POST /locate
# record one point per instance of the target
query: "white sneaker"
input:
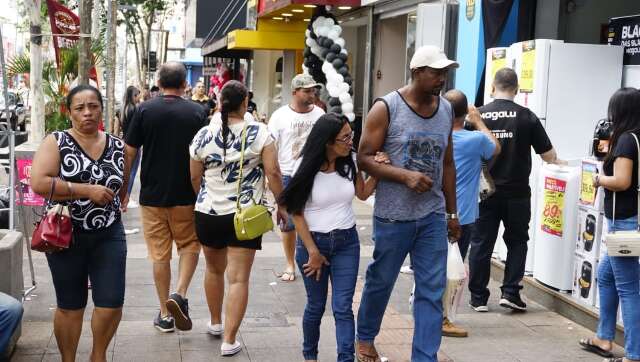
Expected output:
(227, 349)
(132, 204)
(406, 270)
(215, 329)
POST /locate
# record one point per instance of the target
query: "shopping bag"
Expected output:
(456, 282)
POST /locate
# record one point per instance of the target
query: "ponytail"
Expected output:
(232, 95)
(224, 114)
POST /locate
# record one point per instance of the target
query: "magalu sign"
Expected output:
(625, 31)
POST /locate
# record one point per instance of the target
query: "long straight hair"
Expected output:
(314, 155)
(624, 114)
(128, 102)
(232, 94)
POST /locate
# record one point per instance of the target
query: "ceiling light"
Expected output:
(297, 10)
(307, 20)
(310, 6)
(277, 18)
(352, 18)
(286, 14)
(344, 7)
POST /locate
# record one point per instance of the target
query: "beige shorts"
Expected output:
(163, 225)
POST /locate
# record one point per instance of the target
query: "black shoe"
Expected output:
(179, 309)
(164, 325)
(478, 307)
(513, 302)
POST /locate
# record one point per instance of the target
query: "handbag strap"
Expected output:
(244, 140)
(53, 188)
(637, 187)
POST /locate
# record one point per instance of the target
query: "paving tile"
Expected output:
(213, 356)
(159, 342)
(147, 356)
(16, 357)
(277, 336)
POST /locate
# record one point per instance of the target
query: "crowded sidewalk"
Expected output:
(272, 328)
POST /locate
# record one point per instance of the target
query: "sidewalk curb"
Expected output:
(557, 302)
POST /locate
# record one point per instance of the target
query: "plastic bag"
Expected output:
(456, 282)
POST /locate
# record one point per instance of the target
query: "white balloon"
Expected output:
(328, 22)
(345, 97)
(351, 116)
(333, 91)
(324, 30)
(307, 33)
(337, 28)
(344, 87)
(340, 42)
(339, 78)
(333, 34)
(309, 42)
(344, 51)
(347, 108)
(316, 49)
(326, 66)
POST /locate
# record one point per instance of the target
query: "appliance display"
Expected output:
(589, 232)
(585, 280)
(589, 235)
(586, 276)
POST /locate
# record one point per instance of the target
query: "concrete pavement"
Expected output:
(272, 327)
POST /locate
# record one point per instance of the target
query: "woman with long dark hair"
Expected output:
(320, 197)
(129, 105)
(215, 165)
(619, 277)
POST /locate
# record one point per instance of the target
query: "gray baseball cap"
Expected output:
(303, 81)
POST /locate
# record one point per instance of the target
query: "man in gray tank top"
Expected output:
(415, 201)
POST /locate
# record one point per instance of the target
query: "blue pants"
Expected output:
(134, 170)
(425, 240)
(10, 316)
(342, 250)
(619, 282)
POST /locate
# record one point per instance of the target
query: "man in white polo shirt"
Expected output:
(290, 125)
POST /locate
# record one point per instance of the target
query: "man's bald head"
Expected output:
(458, 102)
(172, 75)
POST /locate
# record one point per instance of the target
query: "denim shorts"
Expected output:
(99, 256)
(289, 226)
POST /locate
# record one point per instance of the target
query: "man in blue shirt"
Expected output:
(470, 149)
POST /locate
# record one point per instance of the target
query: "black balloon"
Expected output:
(343, 56)
(313, 35)
(334, 101)
(337, 63)
(335, 48)
(307, 52)
(344, 71)
(337, 109)
(328, 43)
(324, 52)
(330, 57)
(348, 79)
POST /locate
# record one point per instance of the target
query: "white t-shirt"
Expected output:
(218, 191)
(329, 206)
(290, 131)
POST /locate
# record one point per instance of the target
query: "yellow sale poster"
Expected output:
(587, 191)
(554, 191)
(498, 61)
(527, 66)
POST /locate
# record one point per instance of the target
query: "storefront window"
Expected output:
(411, 42)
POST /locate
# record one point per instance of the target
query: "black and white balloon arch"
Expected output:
(325, 59)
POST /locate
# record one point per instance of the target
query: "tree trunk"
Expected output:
(111, 62)
(35, 77)
(84, 61)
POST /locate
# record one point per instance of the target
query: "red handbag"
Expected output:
(54, 231)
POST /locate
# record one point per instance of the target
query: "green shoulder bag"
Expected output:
(254, 220)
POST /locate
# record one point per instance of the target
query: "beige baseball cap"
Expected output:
(303, 81)
(432, 57)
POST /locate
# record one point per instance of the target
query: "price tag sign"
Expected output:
(587, 191)
(498, 61)
(554, 191)
(528, 66)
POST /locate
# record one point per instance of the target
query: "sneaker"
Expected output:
(479, 307)
(132, 204)
(513, 302)
(451, 330)
(228, 349)
(179, 309)
(406, 269)
(164, 324)
(215, 329)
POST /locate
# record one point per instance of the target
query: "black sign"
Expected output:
(153, 61)
(625, 31)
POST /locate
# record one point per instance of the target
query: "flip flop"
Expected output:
(288, 276)
(614, 359)
(587, 345)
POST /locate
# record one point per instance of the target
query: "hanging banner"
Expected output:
(65, 25)
(554, 191)
(29, 197)
(527, 67)
(625, 31)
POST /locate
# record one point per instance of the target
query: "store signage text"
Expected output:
(625, 31)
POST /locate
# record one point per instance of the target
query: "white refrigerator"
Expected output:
(568, 87)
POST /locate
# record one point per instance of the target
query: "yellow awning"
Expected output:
(270, 35)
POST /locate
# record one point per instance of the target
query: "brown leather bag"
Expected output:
(54, 231)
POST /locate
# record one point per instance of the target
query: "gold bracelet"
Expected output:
(70, 189)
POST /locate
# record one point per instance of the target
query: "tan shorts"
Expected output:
(163, 225)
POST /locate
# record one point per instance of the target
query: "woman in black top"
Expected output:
(86, 168)
(129, 105)
(619, 277)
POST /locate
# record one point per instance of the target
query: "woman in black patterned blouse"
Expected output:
(86, 168)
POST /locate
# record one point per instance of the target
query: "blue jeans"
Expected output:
(342, 250)
(10, 315)
(134, 170)
(425, 240)
(619, 282)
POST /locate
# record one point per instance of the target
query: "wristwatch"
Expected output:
(453, 216)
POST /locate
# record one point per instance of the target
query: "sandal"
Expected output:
(587, 345)
(364, 355)
(614, 359)
(288, 276)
